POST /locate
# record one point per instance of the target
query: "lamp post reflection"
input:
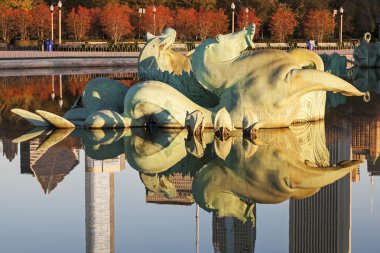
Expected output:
(60, 92)
(52, 88)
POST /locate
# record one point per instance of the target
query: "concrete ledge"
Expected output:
(67, 62)
(63, 54)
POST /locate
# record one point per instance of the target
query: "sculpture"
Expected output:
(219, 85)
(367, 55)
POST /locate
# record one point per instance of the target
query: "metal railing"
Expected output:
(176, 47)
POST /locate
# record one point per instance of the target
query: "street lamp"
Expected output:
(154, 19)
(341, 25)
(246, 16)
(335, 12)
(141, 11)
(233, 16)
(52, 21)
(59, 23)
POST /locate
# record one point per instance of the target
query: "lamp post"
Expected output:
(233, 16)
(141, 11)
(341, 25)
(59, 23)
(52, 21)
(246, 16)
(154, 20)
(335, 12)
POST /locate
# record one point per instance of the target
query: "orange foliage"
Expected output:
(186, 23)
(282, 23)
(243, 21)
(319, 24)
(211, 23)
(7, 23)
(40, 26)
(163, 19)
(23, 23)
(79, 22)
(115, 21)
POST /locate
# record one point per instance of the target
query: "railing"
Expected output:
(137, 47)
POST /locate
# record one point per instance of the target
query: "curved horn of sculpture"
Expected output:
(307, 58)
(307, 80)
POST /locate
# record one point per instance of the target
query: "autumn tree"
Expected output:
(163, 19)
(40, 25)
(211, 23)
(79, 22)
(282, 23)
(23, 23)
(7, 23)
(115, 21)
(244, 21)
(319, 24)
(186, 23)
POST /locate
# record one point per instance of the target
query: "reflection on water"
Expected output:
(54, 93)
(227, 178)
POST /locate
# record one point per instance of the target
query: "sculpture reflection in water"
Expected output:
(230, 176)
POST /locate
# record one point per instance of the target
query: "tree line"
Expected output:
(193, 19)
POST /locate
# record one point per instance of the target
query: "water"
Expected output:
(91, 192)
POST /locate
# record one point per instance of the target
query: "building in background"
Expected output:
(183, 185)
(100, 203)
(49, 166)
(229, 235)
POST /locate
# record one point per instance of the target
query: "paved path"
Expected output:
(59, 59)
(64, 59)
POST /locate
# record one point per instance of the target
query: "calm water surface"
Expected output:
(82, 191)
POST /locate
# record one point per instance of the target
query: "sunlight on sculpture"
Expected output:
(218, 85)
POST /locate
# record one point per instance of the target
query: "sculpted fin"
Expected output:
(56, 137)
(32, 118)
(55, 120)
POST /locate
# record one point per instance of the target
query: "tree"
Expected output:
(163, 19)
(79, 22)
(282, 23)
(211, 23)
(23, 24)
(186, 23)
(40, 26)
(7, 23)
(319, 24)
(115, 21)
(242, 20)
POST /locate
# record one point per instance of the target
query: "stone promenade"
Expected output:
(64, 59)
